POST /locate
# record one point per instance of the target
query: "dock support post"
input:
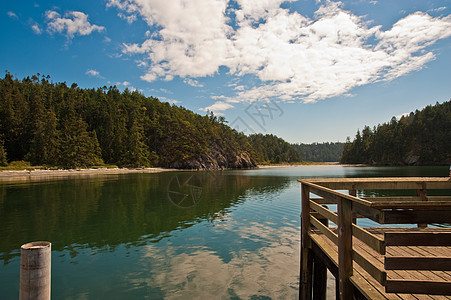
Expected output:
(320, 274)
(35, 274)
(305, 288)
(345, 267)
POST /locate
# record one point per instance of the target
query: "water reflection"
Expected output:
(229, 234)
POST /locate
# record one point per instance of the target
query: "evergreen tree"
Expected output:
(3, 160)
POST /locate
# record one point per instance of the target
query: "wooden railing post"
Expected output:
(345, 267)
(353, 192)
(305, 289)
(35, 276)
(422, 194)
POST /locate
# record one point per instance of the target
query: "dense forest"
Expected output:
(320, 152)
(272, 149)
(51, 124)
(421, 138)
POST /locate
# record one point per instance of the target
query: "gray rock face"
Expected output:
(216, 160)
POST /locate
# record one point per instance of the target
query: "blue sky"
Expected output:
(307, 71)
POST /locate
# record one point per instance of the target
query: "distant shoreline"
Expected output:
(40, 174)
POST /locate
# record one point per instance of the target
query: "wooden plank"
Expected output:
(322, 201)
(375, 243)
(436, 263)
(418, 287)
(325, 252)
(384, 183)
(324, 212)
(371, 266)
(345, 267)
(417, 238)
(431, 205)
(407, 198)
(371, 213)
(327, 193)
(416, 216)
(324, 229)
(365, 287)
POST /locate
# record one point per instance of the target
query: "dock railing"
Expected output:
(375, 262)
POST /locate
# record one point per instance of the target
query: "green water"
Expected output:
(205, 235)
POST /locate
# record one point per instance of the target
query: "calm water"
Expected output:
(206, 235)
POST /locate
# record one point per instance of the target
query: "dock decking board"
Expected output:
(399, 259)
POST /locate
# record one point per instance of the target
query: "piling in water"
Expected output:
(35, 275)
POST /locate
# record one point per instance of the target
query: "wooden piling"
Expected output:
(305, 291)
(35, 271)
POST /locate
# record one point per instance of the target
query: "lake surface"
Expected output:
(172, 235)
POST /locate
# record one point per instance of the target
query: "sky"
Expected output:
(307, 71)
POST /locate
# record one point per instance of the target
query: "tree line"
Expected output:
(320, 152)
(52, 124)
(421, 138)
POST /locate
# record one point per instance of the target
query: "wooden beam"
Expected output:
(431, 205)
(324, 212)
(369, 239)
(383, 183)
(418, 287)
(326, 252)
(324, 229)
(371, 266)
(322, 201)
(371, 213)
(345, 252)
(431, 263)
(406, 198)
(305, 291)
(417, 238)
(335, 196)
(319, 279)
(416, 216)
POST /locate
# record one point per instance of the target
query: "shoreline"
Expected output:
(37, 174)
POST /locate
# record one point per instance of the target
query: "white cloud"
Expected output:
(36, 28)
(73, 23)
(93, 73)
(130, 18)
(293, 56)
(192, 82)
(438, 9)
(218, 107)
(12, 15)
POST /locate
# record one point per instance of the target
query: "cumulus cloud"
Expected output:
(73, 23)
(93, 73)
(218, 107)
(293, 56)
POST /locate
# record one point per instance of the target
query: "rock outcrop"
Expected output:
(217, 159)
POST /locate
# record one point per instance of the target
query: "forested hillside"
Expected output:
(51, 124)
(320, 152)
(272, 149)
(422, 138)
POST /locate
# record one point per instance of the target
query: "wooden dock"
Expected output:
(379, 262)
